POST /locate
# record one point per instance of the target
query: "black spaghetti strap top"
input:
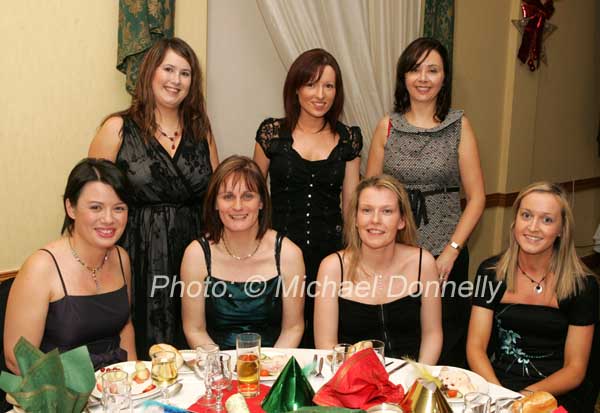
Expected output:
(397, 323)
(238, 307)
(91, 320)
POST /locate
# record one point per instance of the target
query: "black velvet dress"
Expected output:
(528, 341)
(306, 196)
(164, 218)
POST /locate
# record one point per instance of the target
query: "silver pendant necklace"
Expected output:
(538, 284)
(93, 271)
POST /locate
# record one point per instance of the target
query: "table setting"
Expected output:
(252, 379)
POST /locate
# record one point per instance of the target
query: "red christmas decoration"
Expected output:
(535, 29)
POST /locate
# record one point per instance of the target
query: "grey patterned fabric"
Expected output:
(427, 160)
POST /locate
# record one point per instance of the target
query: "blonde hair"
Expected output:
(407, 235)
(568, 269)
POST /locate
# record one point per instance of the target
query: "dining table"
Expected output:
(193, 386)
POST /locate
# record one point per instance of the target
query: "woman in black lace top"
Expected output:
(536, 307)
(312, 158)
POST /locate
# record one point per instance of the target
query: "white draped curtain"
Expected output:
(365, 36)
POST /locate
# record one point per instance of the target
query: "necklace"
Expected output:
(538, 284)
(171, 138)
(237, 257)
(377, 277)
(93, 271)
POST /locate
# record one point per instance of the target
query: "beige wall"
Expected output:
(530, 125)
(59, 80)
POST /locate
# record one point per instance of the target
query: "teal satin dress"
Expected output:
(254, 306)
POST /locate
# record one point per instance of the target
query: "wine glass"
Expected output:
(116, 392)
(164, 371)
(202, 353)
(218, 376)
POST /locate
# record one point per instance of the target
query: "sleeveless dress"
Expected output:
(234, 307)
(527, 341)
(164, 218)
(91, 320)
(397, 323)
(306, 196)
(426, 162)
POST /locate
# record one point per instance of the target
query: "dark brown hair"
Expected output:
(192, 110)
(309, 67)
(412, 57)
(241, 168)
(92, 170)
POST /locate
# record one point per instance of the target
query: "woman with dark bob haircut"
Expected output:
(312, 158)
(75, 290)
(433, 151)
(164, 145)
(235, 276)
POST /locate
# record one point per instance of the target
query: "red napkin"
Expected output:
(253, 402)
(359, 383)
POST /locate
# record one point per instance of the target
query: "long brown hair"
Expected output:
(568, 269)
(406, 236)
(192, 110)
(243, 169)
(309, 67)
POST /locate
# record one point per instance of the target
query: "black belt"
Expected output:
(418, 205)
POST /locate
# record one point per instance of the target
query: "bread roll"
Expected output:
(536, 402)
(167, 347)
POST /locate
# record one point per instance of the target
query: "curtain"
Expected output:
(141, 24)
(438, 22)
(366, 37)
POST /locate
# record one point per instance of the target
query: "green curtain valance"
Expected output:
(439, 22)
(141, 24)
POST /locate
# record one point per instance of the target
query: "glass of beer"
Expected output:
(248, 363)
(164, 371)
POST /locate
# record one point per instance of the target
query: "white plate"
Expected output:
(137, 389)
(407, 376)
(189, 359)
(276, 361)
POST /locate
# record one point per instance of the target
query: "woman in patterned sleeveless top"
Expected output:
(164, 145)
(433, 151)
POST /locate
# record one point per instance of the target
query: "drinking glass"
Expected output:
(247, 347)
(379, 349)
(218, 376)
(477, 403)
(164, 371)
(341, 352)
(504, 405)
(202, 353)
(116, 392)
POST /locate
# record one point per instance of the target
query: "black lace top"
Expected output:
(306, 194)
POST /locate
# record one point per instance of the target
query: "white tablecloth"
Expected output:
(193, 388)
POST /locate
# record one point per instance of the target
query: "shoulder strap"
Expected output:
(278, 242)
(121, 265)
(57, 269)
(420, 261)
(206, 248)
(341, 264)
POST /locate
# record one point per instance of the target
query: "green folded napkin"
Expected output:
(290, 391)
(51, 382)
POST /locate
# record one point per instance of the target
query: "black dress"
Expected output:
(233, 307)
(527, 342)
(164, 218)
(397, 323)
(95, 321)
(306, 196)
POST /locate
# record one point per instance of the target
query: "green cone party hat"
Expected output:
(290, 391)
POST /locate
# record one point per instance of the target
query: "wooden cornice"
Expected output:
(506, 200)
(5, 275)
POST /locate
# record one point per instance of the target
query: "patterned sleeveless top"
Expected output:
(426, 162)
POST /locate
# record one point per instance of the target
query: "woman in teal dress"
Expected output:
(241, 276)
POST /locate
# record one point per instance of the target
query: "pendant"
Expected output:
(539, 289)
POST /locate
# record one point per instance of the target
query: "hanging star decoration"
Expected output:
(535, 29)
